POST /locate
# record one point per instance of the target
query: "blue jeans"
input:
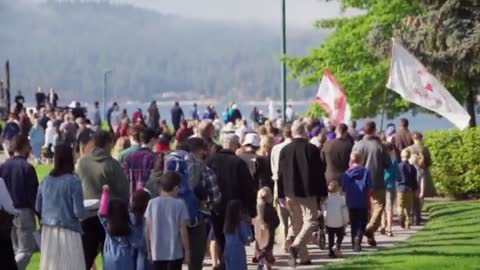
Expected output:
(22, 237)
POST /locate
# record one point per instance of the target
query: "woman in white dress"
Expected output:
(60, 202)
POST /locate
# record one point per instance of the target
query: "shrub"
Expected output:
(456, 161)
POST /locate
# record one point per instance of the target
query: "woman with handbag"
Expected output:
(7, 212)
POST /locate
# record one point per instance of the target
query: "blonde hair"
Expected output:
(414, 160)
(333, 187)
(264, 195)
(266, 145)
(356, 157)
(405, 155)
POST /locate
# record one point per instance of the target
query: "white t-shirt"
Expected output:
(335, 211)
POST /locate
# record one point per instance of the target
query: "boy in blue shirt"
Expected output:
(407, 185)
(356, 185)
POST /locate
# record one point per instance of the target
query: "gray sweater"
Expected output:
(376, 159)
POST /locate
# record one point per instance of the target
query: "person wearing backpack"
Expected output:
(199, 190)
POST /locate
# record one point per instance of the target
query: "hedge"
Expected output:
(456, 161)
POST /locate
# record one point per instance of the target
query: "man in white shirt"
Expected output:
(284, 212)
(290, 113)
(242, 130)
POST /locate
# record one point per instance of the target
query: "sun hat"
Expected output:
(252, 139)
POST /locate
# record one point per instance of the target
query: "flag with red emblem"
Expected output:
(332, 99)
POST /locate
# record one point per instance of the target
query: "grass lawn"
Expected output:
(451, 240)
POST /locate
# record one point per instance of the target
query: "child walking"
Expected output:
(138, 206)
(391, 176)
(336, 219)
(166, 226)
(406, 187)
(265, 223)
(237, 235)
(356, 185)
(118, 250)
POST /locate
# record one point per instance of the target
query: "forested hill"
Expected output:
(69, 44)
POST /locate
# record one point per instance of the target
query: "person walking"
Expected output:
(407, 185)
(7, 214)
(110, 113)
(139, 164)
(235, 183)
(335, 212)
(37, 139)
(274, 160)
(166, 226)
(95, 117)
(177, 116)
(11, 130)
(154, 117)
(391, 176)
(60, 204)
(301, 182)
(403, 137)
(263, 170)
(52, 99)
(238, 234)
(376, 159)
(96, 169)
(265, 224)
(336, 155)
(424, 164)
(40, 98)
(22, 184)
(134, 134)
(357, 185)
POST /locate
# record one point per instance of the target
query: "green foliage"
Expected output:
(69, 44)
(449, 241)
(362, 74)
(456, 161)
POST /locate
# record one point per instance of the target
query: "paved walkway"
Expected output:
(320, 257)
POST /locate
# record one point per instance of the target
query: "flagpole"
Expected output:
(384, 110)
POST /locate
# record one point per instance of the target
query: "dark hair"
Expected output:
(102, 139)
(115, 104)
(417, 135)
(369, 128)
(147, 135)
(63, 161)
(342, 128)
(139, 204)
(216, 148)
(118, 218)
(196, 144)
(404, 122)
(19, 142)
(233, 216)
(169, 181)
(96, 103)
(183, 147)
(177, 103)
(389, 146)
(353, 124)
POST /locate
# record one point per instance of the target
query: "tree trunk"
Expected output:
(471, 100)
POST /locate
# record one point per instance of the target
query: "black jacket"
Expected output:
(301, 171)
(234, 180)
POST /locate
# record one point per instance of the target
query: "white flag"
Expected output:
(332, 98)
(410, 79)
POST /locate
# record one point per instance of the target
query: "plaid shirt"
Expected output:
(138, 166)
(208, 180)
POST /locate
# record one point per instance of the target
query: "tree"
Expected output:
(358, 51)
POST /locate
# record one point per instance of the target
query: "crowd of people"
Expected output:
(148, 196)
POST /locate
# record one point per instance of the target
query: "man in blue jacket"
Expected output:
(22, 184)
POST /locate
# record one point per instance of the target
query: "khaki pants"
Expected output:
(378, 205)
(405, 207)
(304, 216)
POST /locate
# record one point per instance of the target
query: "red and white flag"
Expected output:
(332, 99)
(410, 79)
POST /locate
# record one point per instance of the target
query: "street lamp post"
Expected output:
(105, 74)
(284, 64)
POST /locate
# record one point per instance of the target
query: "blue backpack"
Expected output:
(180, 161)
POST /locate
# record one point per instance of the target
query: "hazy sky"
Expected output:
(300, 13)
